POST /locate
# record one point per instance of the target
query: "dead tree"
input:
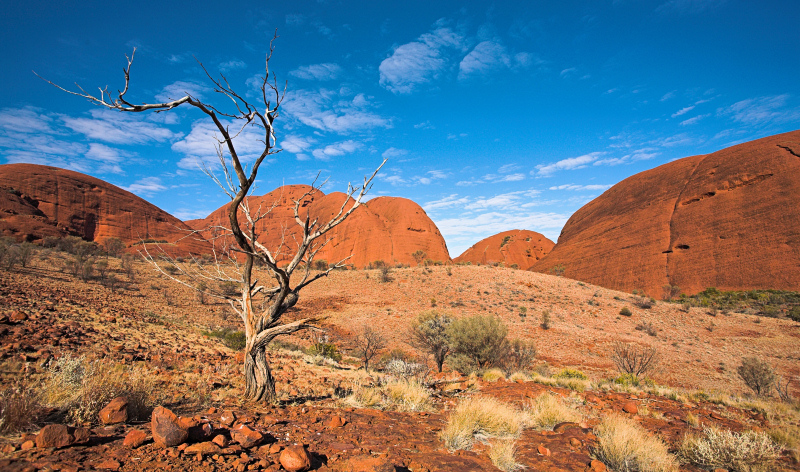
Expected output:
(632, 359)
(368, 343)
(260, 306)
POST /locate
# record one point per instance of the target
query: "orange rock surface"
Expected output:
(518, 246)
(48, 201)
(385, 228)
(730, 220)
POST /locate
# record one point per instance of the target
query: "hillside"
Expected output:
(519, 248)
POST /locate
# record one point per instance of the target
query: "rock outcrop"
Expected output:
(39, 201)
(521, 247)
(389, 229)
(730, 220)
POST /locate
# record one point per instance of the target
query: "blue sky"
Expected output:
(494, 116)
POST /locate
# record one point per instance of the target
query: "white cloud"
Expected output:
(25, 120)
(327, 71)
(667, 96)
(568, 72)
(200, 145)
(393, 152)
(425, 125)
(328, 110)
(572, 163)
(508, 168)
(580, 188)
(233, 64)
(762, 110)
(118, 128)
(683, 111)
(446, 202)
(297, 144)
(485, 57)
(694, 120)
(182, 88)
(147, 186)
(420, 61)
(185, 214)
(337, 149)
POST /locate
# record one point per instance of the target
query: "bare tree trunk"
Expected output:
(259, 383)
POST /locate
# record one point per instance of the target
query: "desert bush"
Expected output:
(567, 373)
(647, 327)
(428, 333)
(82, 388)
(368, 343)
(19, 408)
(623, 445)
(743, 452)
(419, 256)
(404, 369)
(788, 438)
(558, 270)
(757, 375)
(320, 264)
(325, 349)
(632, 380)
(547, 410)
(632, 359)
(399, 395)
(671, 291)
(519, 377)
(484, 416)
(113, 247)
(503, 455)
(519, 356)
(461, 363)
(230, 337)
(625, 311)
(545, 323)
(229, 288)
(493, 375)
(384, 274)
(482, 338)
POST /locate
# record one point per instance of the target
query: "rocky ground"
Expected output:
(154, 324)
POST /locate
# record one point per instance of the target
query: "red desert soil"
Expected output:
(155, 324)
(730, 220)
(50, 201)
(389, 229)
(521, 247)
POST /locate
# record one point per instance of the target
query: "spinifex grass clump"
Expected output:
(745, 451)
(481, 417)
(547, 410)
(622, 444)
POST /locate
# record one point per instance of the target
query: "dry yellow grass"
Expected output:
(625, 446)
(547, 410)
(519, 377)
(493, 375)
(399, 395)
(748, 451)
(483, 417)
(503, 455)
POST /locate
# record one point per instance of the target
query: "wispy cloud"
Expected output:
(449, 201)
(335, 111)
(694, 120)
(182, 88)
(26, 120)
(638, 155)
(201, 144)
(337, 149)
(568, 72)
(486, 56)
(297, 145)
(233, 64)
(761, 111)
(393, 152)
(421, 61)
(326, 71)
(581, 188)
(146, 187)
(572, 163)
(118, 128)
(683, 111)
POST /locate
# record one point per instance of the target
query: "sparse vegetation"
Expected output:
(230, 337)
(481, 415)
(428, 333)
(369, 342)
(19, 408)
(623, 445)
(558, 270)
(399, 395)
(481, 338)
(625, 311)
(547, 410)
(503, 453)
(745, 451)
(757, 375)
(545, 323)
(633, 359)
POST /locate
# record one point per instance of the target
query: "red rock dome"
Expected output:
(521, 247)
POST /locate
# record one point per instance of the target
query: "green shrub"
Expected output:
(230, 337)
(625, 311)
(757, 375)
(328, 350)
(482, 338)
(428, 333)
(568, 373)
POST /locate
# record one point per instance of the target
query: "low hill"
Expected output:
(518, 247)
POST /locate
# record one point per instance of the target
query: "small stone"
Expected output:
(295, 459)
(543, 450)
(246, 436)
(597, 466)
(203, 448)
(335, 422)
(53, 435)
(135, 438)
(561, 427)
(115, 412)
(275, 448)
(108, 464)
(220, 440)
(630, 407)
(18, 317)
(574, 442)
(29, 444)
(227, 418)
(166, 429)
(81, 435)
(367, 464)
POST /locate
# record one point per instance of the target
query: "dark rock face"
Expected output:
(40, 201)
(730, 219)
